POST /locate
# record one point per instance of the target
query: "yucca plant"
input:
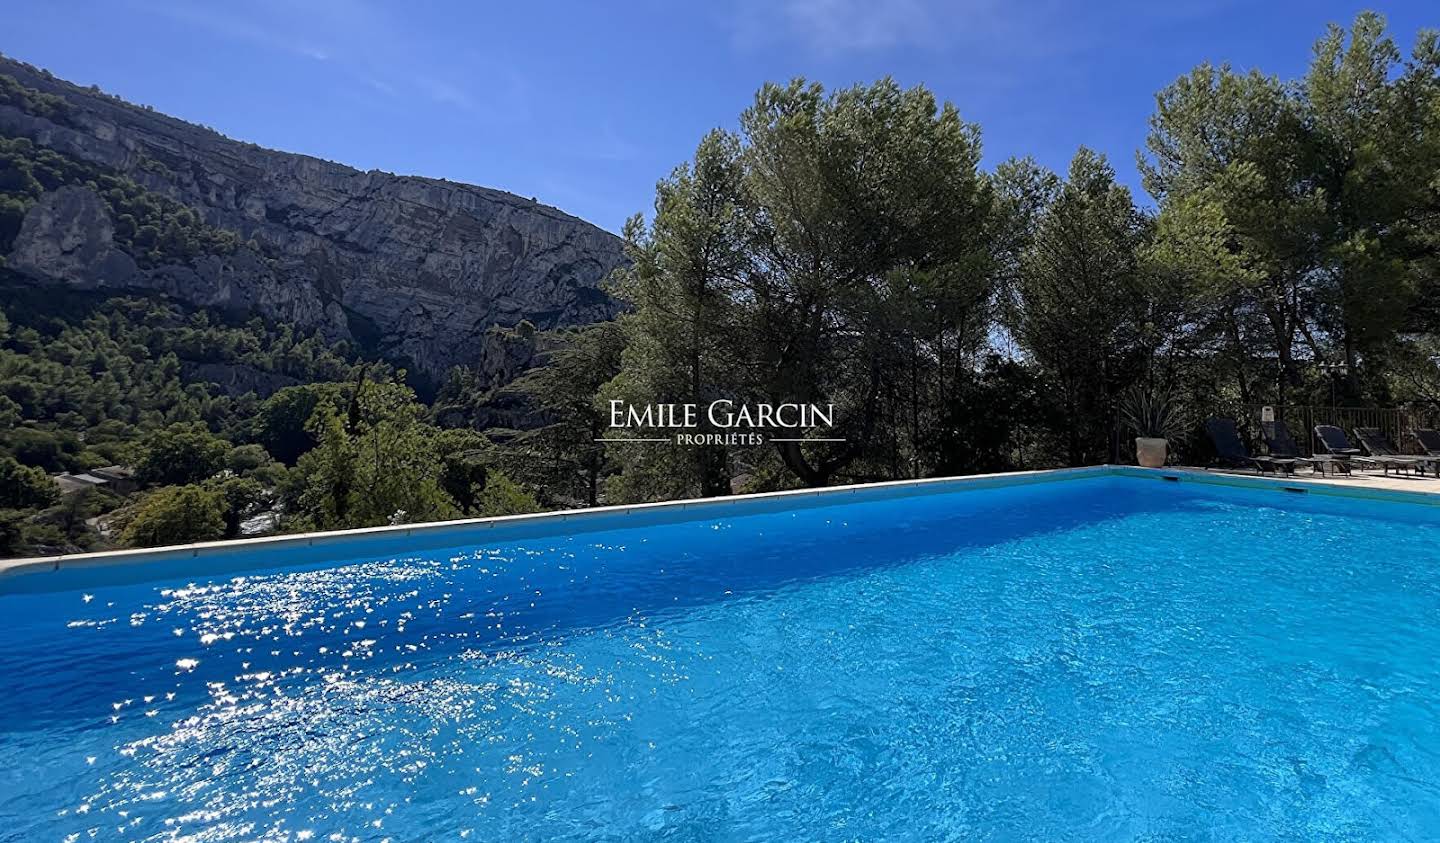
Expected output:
(1153, 412)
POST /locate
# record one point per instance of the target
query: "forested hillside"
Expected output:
(99, 193)
(235, 326)
(296, 425)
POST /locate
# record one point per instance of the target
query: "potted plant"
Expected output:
(1156, 418)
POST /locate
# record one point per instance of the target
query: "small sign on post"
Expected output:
(1267, 413)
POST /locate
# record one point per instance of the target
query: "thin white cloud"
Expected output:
(366, 42)
(996, 30)
(835, 26)
(380, 86)
(245, 26)
(444, 92)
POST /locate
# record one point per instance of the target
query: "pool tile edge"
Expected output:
(1314, 486)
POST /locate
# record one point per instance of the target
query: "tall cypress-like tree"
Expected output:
(681, 336)
(1081, 300)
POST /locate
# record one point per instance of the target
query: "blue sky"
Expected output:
(583, 105)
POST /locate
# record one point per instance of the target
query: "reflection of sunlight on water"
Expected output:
(316, 722)
(294, 602)
(268, 739)
(266, 736)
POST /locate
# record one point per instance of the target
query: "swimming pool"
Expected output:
(1104, 657)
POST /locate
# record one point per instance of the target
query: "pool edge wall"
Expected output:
(176, 560)
(24, 575)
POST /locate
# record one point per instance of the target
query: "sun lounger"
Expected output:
(1230, 450)
(1336, 443)
(1334, 440)
(1379, 446)
(1429, 439)
(1281, 443)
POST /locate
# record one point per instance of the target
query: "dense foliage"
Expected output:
(87, 382)
(839, 250)
(175, 515)
(1303, 214)
(846, 248)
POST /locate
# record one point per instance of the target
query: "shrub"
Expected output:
(243, 459)
(184, 452)
(503, 496)
(23, 487)
(176, 515)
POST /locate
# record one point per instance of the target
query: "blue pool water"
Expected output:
(1103, 658)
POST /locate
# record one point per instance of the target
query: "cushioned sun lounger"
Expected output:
(1230, 450)
(1281, 443)
(1336, 443)
(1429, 439)
(1379, 446)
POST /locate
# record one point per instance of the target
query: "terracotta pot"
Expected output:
(1150, 452)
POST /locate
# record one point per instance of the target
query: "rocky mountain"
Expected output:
(416, 269)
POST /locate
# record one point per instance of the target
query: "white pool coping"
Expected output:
(685, 510)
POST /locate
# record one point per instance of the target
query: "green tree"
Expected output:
(836, 252)
(12, 533)
(379, 466)
(52, 450)
(282, 426)
(562, 453)
(244, 459)
(181, 453)
(1234, 148)
(1374, 121)
(874, 234)
(326, 474)
(502, 496)
(68, 519)
(680, 337)
(1305, 209)
(1081, 300)
(23, 487)
(176, 515)
(239, 497)
(465, 458)
(397, 476)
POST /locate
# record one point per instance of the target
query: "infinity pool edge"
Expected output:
(680, 510)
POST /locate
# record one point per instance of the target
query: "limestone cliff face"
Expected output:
(416, 268)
